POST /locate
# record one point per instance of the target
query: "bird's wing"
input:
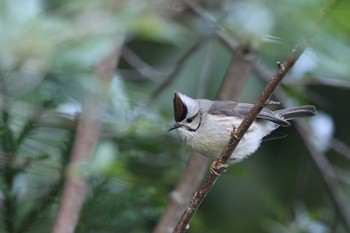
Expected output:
(230, 108)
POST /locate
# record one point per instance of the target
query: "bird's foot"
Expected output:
(216, 169)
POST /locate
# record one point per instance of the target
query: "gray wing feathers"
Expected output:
(229, 108)
(292, 113)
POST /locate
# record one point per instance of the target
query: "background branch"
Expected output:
(237, 72)
(283, 69)
(178, 67)
(46, 79)
(199, 11)
(340, 147)
(327, 174)
(139, 65)
(87, 134)
(220, 165)
(319, 159)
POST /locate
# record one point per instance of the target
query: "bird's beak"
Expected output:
(174, 126)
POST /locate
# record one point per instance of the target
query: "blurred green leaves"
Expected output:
(48, 52)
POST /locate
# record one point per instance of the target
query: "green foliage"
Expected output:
(48, 53)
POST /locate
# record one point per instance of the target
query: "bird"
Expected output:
(206, 125)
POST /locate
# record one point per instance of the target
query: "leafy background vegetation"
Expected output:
(48, 52)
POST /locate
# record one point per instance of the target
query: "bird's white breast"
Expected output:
(214, 134)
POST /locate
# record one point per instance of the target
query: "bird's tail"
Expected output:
(292, 113)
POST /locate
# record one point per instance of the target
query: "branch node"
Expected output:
(216, 167)
(271, 102)
(280, 67)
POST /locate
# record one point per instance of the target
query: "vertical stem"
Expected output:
(86, 137)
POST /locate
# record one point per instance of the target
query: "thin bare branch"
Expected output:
(237, 72)
(340, 147)
(178, 67)
(220, 165)
(342, 174)
(329, 81)
(327, 173)
(87, 134)
(320, 80)
(198, 10)
(325, 169)
(133, 75)
(265, 74)
(241, 63)
(139, 65)
(193, 173)
(190, 178)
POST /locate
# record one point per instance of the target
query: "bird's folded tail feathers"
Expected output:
(292, 113)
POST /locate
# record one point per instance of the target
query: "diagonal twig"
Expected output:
(237, 72)
(322, 165)
(194, 170)
(325, 169)
(340, 147)
(178, 67)
(170, 79)
(220, 165)
(224, 37)
(139, 65)
(327, 173)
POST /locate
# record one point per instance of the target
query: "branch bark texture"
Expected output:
(236, 136)
(221, 164)
(242, 60)
(319, 159)
(87, 135)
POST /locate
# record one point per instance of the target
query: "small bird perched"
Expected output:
(206, 125)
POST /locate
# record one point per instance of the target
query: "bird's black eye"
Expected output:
(189, 120)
